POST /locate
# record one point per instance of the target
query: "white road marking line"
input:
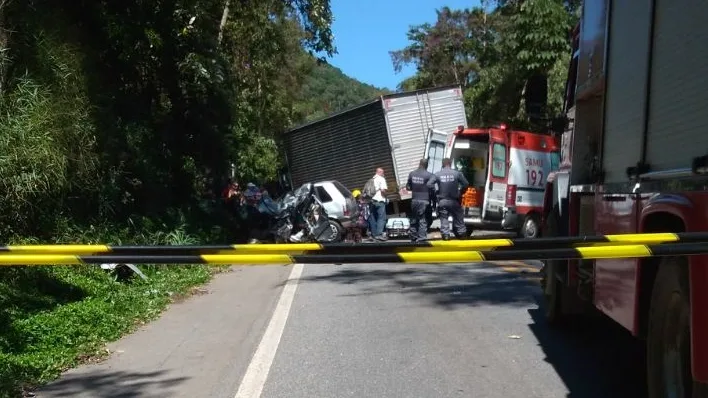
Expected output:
(257, 373)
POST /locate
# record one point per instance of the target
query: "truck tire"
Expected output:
(669, 334)
(556, 298)
(563, 306)
(553, 289)
(551, 296)
(531, 227)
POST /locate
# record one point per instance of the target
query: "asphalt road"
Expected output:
(387, 330)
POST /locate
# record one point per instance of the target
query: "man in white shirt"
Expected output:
(378, 206)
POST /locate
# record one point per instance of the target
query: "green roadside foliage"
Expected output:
(493, 51)
(56, 317)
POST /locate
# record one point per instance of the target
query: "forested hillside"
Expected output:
(495, 52)
(327, 89)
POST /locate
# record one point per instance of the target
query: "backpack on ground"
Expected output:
(369, 189)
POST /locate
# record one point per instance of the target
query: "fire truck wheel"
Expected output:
(551, 295)
(669, 334)
(554, 296)
(531, 228)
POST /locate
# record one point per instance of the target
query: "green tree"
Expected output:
(494, 54)
(450, 51)
(122, 110)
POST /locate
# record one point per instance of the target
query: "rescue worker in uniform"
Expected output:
(420, 202)
(450, 183)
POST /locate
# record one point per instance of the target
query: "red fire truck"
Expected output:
(633, 160)
(507, 171)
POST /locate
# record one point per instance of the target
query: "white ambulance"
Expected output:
(507, 171)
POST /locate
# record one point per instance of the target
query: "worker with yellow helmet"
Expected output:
(363, 218)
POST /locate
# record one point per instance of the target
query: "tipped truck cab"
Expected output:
(507, 170)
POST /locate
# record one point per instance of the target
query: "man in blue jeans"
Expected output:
(377, 219)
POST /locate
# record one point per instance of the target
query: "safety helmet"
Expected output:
(356, 193)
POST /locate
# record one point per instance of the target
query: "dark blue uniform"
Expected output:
(420, 203)
(450, 183)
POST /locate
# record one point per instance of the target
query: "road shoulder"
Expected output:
(200, 347)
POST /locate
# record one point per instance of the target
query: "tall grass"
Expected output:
(47, 139)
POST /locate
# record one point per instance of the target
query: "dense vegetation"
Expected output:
(496, 51)
(119, 124)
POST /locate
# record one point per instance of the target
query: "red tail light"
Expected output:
(346, 210)
(510, 195)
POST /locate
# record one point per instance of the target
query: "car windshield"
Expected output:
(342, 189)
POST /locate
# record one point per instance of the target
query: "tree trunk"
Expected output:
(4, 47)
(224, 18)
(454, 72)
(484, 24)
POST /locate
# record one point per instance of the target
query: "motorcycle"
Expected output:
(298, 211)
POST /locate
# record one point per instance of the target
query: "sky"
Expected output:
(366, 30)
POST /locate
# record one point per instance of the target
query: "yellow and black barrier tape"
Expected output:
(496, 244)
(587, 253)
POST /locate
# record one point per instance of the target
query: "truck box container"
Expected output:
(389, 132)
